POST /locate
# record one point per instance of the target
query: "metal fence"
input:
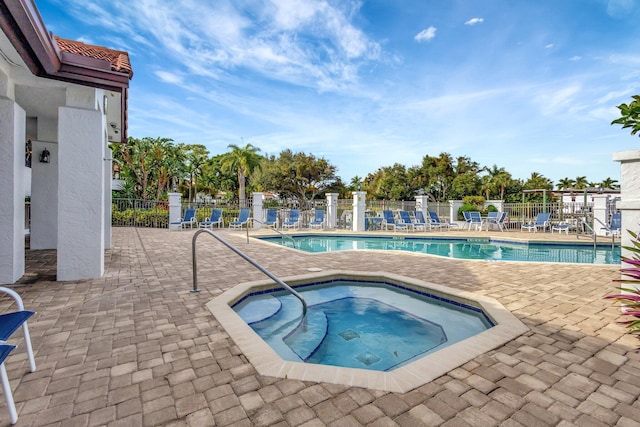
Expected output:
(141, 213)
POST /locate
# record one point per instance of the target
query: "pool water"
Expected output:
(359, 324)
(460, 248)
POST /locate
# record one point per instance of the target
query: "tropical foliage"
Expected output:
(629, 115)
(152, 167)
(630, 298)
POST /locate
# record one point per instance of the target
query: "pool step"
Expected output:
(308, 336)
(261, 308)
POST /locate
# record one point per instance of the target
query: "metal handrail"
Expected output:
(293, 241)
(608, 228)
(246, 258)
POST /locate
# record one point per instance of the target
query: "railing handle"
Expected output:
(246, 258)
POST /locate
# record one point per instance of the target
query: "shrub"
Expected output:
(466, 208)
(631, 299)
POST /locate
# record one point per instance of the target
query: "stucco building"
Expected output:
(66, 100)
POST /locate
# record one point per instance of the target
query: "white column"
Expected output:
(600, 219)
(175, 210)
(108, 176)
(454, 206)
(12, 140)
(44, 197)
(332, 210)
(81, 218)
(257, 210)
(422, 204)
(359, 206)
(629, 204)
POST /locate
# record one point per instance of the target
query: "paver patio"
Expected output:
(137, 348)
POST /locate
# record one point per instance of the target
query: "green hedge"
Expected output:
(153, 218)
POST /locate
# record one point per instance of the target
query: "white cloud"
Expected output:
(168, 77)
(426, 35)
(474, 21)
(575, 58)
(549, 46)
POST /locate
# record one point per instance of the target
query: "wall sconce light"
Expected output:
(45, 156)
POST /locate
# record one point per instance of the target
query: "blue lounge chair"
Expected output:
(497, 220)
(437, 223)
(560, 227)
(388, 220)
(615, 225)
(243, 218)
(318, 219)
(189, 218)
(419, 222)
(271, 219)
(542, 221)
(406, 219)
(294, 219)
(214, 219)
(475, 220)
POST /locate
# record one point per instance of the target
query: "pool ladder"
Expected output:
(282, 235)
(246, 258)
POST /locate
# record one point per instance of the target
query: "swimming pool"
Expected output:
(459, 247)
(359, 324)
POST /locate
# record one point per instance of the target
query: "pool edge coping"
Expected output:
(403, 379)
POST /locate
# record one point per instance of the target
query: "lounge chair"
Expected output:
(388, 220)
(406, 219)
(214, 219)
(437, 223)
(271, 219)
(615, 225)
(9, 323)
(189, 218)
(294, 219)
(560, 227)
(419, 221)
(318, 219)
(542, 221)
(243, 218)
(497, 220)
(475, 220)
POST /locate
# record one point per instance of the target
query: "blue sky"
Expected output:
(530, 86)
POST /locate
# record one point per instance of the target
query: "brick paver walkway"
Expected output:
(136, 348)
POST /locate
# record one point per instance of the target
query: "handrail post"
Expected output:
(246, 258)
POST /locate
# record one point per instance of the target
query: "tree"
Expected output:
(242, 160)
(629, 115)
(581, 183)
(565, 184)
(610, 183)
(196, 156)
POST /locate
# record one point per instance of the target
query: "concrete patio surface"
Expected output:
(137, 348)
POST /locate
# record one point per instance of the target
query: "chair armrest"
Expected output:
(15, 296)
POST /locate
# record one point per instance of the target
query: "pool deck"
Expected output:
(137, 348)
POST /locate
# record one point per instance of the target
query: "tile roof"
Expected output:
(119, 59)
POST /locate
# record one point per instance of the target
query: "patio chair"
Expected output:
(436, 222)
(9, 323)
(475, 220)
(613, 229)
(271, 218)
(243, 218)
(419, 221)
(318, 219)
(560, 227)
(497, 220)
(406, 219)
(214, 219)
(189, 218)
(294, 219)
(388, 220)
(541, 221)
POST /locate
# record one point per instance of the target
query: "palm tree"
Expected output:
(242, 160)
(610, 183)
(356, 181)
(581, 183)
(565, 184)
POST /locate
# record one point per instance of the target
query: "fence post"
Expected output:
(359, 206)
(332, 210)
(175, 209)
(257, 210)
